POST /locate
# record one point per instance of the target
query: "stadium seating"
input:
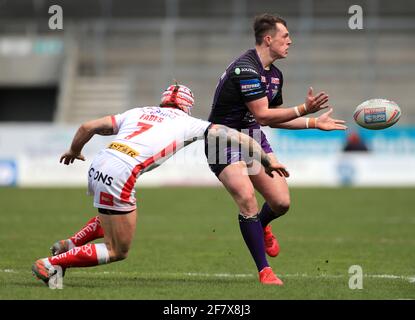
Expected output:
(126, 55)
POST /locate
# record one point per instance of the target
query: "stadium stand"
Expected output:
(118, 54)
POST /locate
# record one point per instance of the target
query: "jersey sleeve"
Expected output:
(118, 119)
(195, 128)
(116, 122)
(248, 82)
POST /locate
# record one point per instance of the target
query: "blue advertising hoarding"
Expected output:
(292, 143)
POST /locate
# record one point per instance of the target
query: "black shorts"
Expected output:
(112, 212)
(219, 158)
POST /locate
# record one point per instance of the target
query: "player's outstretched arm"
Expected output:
(327, 123)
(86, 131)
(249, 144)
(324, 122)
(275, 116)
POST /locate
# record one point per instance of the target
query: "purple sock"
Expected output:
(253, 234)
(266, 215)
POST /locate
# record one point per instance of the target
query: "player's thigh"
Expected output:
(274, 190)
(236, 180)
(119, 229)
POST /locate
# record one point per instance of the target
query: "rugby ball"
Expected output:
(377, 114)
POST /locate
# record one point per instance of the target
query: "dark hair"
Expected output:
(264, 24)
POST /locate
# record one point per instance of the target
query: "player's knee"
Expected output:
(248, 196)
(280, 206)
(247, 201)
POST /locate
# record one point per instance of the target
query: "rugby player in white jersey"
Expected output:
(145, 137)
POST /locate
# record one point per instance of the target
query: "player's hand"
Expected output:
(326, 123)
(278, 168)
(69, 157)
(315, 103)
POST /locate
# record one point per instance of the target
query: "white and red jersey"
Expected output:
(145, 137)
(155, 134)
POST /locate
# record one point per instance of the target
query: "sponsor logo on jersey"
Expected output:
(162, 112)
(250, 85)
(238, 70)
(263, 79)
(249, 70)
(97, 175)
(275, 80)
(123, 148)
(106, 199)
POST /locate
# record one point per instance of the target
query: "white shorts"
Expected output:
(111, 181)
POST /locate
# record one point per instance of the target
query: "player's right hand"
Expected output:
(317, 102)
(69, 157)
(278, 168)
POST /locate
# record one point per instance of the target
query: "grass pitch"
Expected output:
(188, 246)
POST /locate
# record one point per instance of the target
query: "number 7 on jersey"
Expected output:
(142, 127)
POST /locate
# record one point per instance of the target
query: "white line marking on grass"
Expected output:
(387, 276)
(219, 275)
(236, 275)
(250, 275)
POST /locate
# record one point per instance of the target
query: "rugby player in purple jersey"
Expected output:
(248, 96)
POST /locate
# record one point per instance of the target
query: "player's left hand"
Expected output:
(326, 123)
(278, 168)
(69, 157)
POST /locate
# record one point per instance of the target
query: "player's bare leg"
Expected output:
(237, 182)
(235, 179)
(277, 202)
(92, 230)
(119, 231)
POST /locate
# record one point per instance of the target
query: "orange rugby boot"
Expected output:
(267, 276)
(271, 244)
(43, 270)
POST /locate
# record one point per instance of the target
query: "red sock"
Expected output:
(85, 256)
(91, 231)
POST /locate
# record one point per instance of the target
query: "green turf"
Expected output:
(188, 246)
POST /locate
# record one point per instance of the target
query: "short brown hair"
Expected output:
(266, 23)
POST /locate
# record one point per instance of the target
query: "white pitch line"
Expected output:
(218, 275)
(250, 275)
(302, 275)
(240, 275)
(8, 271)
